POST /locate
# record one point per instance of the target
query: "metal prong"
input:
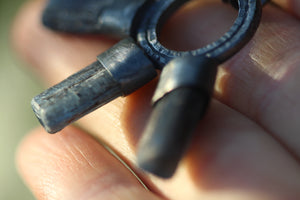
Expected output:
(118, 72)
(168, 131)
(181, 100)
(111, 17)
(74, 97)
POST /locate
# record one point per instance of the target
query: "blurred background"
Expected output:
(17, 87)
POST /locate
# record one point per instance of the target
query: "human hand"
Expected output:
(247, 147)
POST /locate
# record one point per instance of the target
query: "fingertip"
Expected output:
(25, 23)
(73, 165)
(52, 55)
(292, 6)
(27, 162)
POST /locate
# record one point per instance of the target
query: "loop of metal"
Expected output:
(231, 42)
(235, 4)
(186, 84)
(193, 72)
(142, 20)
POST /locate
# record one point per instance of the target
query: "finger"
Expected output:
(72, 165)
(232, 158)
(46, 53)
(261, 81)
(121, 122)
(50, 57)
(54, 55)
(237, 86)
(292, 6)
(234, 164)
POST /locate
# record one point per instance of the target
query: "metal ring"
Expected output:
(240, 33)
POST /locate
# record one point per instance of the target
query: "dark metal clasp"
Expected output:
(187, 80)
(185, 88)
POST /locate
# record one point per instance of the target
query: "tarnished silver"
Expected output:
(180, 101)
(118, 72)
(191, 72)
(184, 89)
(128, 65)
(112, 17)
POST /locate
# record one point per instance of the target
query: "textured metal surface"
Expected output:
(93, 86)
(184, 88)
(194, 72)
(128, 65)
(64, 103)
(111, 17)
(230, 43)
(180, 101)
(235, 3)
(169, 129)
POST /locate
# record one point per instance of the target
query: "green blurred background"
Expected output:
(17, 87)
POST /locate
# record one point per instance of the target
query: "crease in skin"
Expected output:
(273, 67)
(113, 130)
(274, 53)
(42, 186)
(65, 155)
(115, 154)
(251, 143)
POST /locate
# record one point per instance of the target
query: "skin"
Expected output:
(247, 146)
